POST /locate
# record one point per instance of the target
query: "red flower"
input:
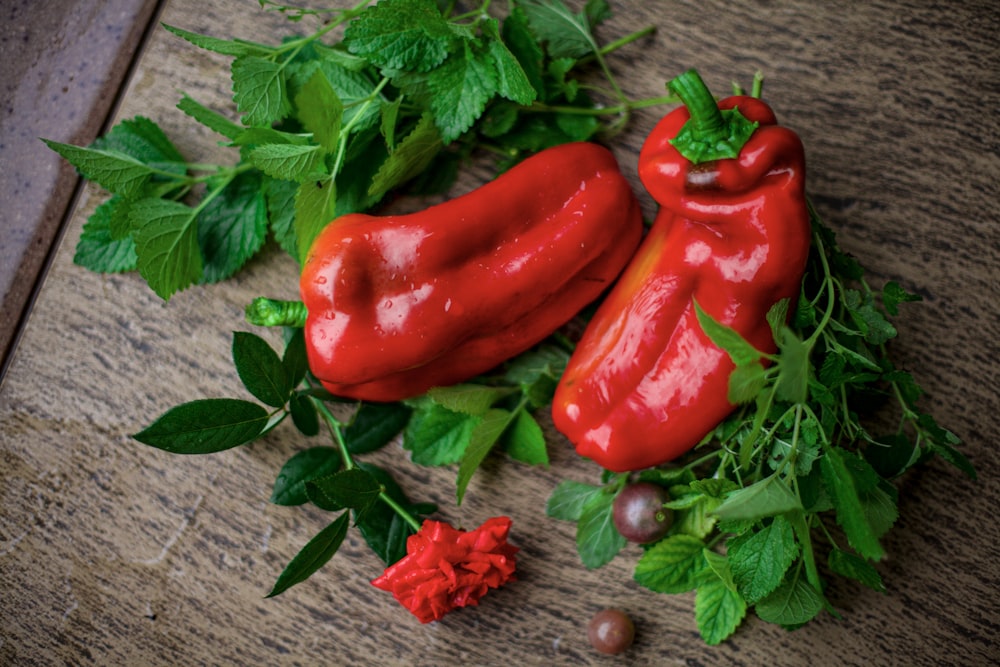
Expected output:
(445, 568)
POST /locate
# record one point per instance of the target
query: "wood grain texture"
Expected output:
(113, 553)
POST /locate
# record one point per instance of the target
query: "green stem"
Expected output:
(265, 312)
(707, 123)
(337, 431)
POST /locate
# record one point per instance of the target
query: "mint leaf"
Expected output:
(213, 120)
(597, 539)
(569, 498)
(259, 91)
(280, 198)
(739, 350)
(313, 555)
(793, 367)
(410, 158)
(746, 382)
(718, 607)
(288, 162)
(205, 426)
(320, 110)
(144, 140)
(518, 38)
(851, 515)
(853, 567)
(759, 559)
(114, 171)
(98, 250)
(793, 603)
(770, 496)
(290, 486)
(375, 425)
(567, 35)
(166, 242)
(260, 369)
(436, 435)
(315, 206)
(469, 399)
(512, 81)
(227, 47)
(409, 35)
(460, 89)
(484, 435)
(525, 440)
(671, 565)
(893, 294)
(232, 227)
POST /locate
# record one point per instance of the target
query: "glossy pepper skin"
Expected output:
(400, 304)
(645, 384)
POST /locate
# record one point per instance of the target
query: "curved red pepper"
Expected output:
(399, 304)
(645, 383)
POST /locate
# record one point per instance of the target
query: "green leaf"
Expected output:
(893, 294)
(315, 208)
(718, 607)
(793, 367)
(436, 435)
(320, 110)
(260, 369)
(294, 359)
(114, 171)
(568, 499)
(597, 539)
(512, 81)
(313, 556)
(850, 510)
(746, 382)
(259, 91)
(470, 399)
(304, 414)
(290, 486)
(288, 162)
(517, 36)
(485, 434)
(460, 89)
(409, 35)
(567, 35)
(227, 47)
(793, 603)
(537, 371)
(280, 197)
(209, 118)
(759, 559)
(144, 140)
(375, 425)
(770, 496)
(739, 350)
(671, 565)
(232, 227)
(525, 440)
(853, 567)
(166, 242)
(97, 249)
(410, 158)
(354, 488)
(205, 426)
(382, 528)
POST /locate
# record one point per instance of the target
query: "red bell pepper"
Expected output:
(645, 384)
(400, 304)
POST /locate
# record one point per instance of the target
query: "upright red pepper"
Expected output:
(645, 383)
(399, 304)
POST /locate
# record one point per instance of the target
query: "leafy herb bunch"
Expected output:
(798, 476)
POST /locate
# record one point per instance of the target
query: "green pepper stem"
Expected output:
(708, 124)
(264, 312)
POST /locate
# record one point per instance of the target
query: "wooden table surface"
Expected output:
(113, 553)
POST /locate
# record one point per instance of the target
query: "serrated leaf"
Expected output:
(114, 171)
(718, 607)
(166, 242)
(98, 250)
(746, 382)
(315, 208)
(259, 91)
(597, 539)
(205, 426)
(288, 162)
(484, 436)
(232, 227)
(671, 565)
(437, 436)
(411, 157)
(793, 603)
(141, 138)
(469, 399)
(770, 496)
(260, 369)
(227, 47)
(853, 567)
(512, 81)
(280, 197)
(374, 425)
(460, 89)
(290, 485)
(522, 44)
(525, 440)
(313, 555)
(566, 35)
(409, 35)
(213, 120)
(893, 294)
(568, 499)
(739, 350)
(758, 560)
(320, 110)
(850, 510)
